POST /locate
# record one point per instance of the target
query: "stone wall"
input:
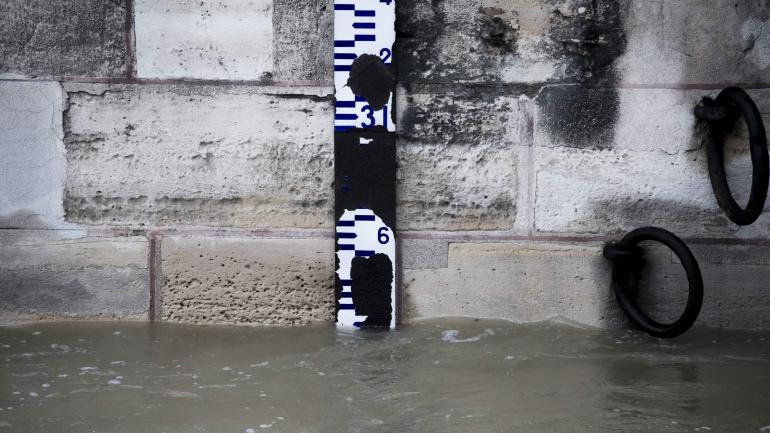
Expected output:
(175, 162)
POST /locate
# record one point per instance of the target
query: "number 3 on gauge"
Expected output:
(382, 235)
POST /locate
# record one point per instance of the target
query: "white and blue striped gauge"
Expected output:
(365, 164)
(362, 234)
(361, 27)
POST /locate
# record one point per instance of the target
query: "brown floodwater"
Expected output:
(449, 375)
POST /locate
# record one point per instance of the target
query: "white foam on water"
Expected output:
(450, 336)
(176, 394)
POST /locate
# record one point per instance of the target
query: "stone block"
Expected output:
(233, 156)
(230, 40)
(32, 166)
(56, 276)
(531, 282)
(303, 40)
(247, 281)
(70, 38)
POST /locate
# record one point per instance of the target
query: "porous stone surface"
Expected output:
(247, 281)
(461, 114)
(32, 165)
(680, 42)
(471, 187)
(303, 40)
(459, 152)
(423, 253)
(205, 40)
(529, 282)
(80, 38)
(235, 156)
(510, 41)
(52, 276)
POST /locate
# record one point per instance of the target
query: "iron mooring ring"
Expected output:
(720, 114)
(626, 254)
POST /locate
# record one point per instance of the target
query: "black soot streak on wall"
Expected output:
(372, 278)
(419, 27)
(495, 31)
(583, 112)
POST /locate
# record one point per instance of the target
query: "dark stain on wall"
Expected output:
(42, 291)
(371, 285)
(372, 80)
(620, 215)
(578, 115)
(578, 107)
(495, 30)
(419, 26)
(463, 114)
(590, 41)
(63, 38)
(583, 112)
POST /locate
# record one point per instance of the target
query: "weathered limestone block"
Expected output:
(204, 40)
(529, 282)
(681, 42)
(734, 278)
(32, 165)
(522, 282)
(509, 41)
(247, 281)
(601, 192)
(423, 253)
(459, 155)
(233, 156)
(649, 169)
(303, 40)
(462, 114)
(80, 38)
(52, 275)
(458, 187)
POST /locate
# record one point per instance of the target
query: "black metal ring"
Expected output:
(737, 100)
(623, 270)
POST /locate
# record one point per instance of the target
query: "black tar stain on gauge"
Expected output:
(365, 173)
(365, 178)
(371, 289)
(372, 80)
(583, 111)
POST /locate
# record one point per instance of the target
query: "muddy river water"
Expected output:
(449, 375)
